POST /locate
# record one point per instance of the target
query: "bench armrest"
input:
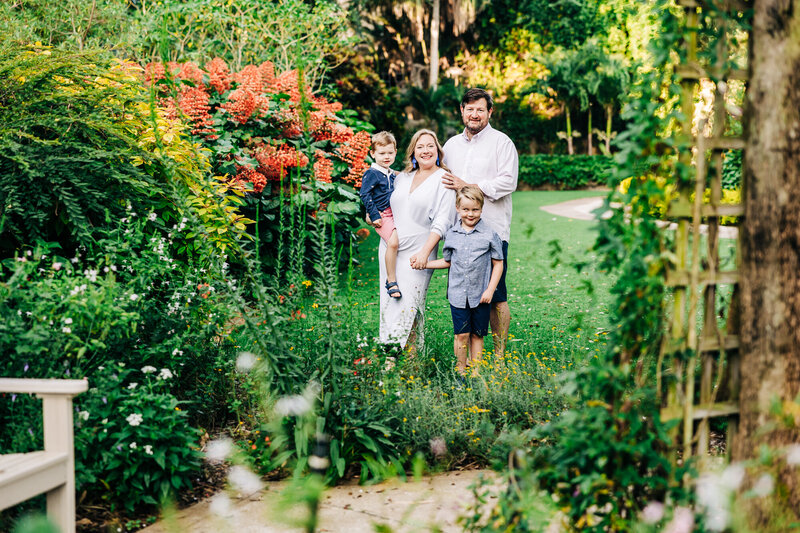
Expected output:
(67, 387)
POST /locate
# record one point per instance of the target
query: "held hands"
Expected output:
(486, 297)
(419, 261)
(452, 182)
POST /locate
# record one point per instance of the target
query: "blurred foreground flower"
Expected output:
(362, 234)
(218, 450)
(245, 362)
(244, 480)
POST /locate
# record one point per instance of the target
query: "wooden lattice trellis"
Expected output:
(696, 343)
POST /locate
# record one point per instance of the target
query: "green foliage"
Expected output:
(290, 33)
(564, 171)
(134, 445)
(65, 146)
(72, 24)
(732, 170)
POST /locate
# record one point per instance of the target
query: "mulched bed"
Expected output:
(210, 480)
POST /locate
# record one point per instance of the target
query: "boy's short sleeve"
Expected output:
(447, 250)
(496, 247)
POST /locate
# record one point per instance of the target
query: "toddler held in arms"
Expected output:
(377, 186)
(474, 254)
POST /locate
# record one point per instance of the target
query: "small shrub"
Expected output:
(134, 446)
(564, 171)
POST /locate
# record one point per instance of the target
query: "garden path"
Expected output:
(583, 209)
(404, 507)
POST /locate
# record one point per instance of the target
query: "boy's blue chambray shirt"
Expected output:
(377, 186)
(470, 256)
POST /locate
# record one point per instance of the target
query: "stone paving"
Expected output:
(424, 505)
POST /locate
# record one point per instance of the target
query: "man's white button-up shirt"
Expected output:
(490, 161)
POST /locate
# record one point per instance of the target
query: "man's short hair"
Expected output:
(475, 94)
(469, 192)
(383, 138)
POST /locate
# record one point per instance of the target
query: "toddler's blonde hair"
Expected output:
(383, 138)
(469, 192)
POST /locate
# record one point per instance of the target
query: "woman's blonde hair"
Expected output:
(410, 151)
(469, 192)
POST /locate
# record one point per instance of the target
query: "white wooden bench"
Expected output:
(51, 471)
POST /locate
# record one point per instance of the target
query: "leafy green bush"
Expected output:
(133, 443)
(66, 143)
(564, 171)
(732, 170)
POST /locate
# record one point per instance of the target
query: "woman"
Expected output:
(423, 211)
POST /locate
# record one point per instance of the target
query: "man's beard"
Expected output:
(475, 131)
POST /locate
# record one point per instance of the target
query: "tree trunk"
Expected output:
(609, 111)
(570, 151)
(433, 80)
(589, 147)
(770, 245)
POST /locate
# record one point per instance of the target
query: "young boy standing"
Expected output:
(474, 255)
(377, 186)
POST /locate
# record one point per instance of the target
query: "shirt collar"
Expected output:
(384, 171)
(480, 227)
(478, 135)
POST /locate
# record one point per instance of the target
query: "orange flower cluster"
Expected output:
(275, 161)
(190, 71)
(253, 176)
(322, 167)
(193, 102)
(241, 105)
(247, 96)
(154, 72)
(354, 152)
(219, 77)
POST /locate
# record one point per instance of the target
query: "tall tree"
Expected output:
(436, 18)
(770, 244)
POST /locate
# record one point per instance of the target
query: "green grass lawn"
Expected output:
(545, 301)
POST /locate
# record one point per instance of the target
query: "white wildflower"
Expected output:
(57, 266)
(152, 217)
(134, 297)
(134, 419)
(682, 521)
(66, 330)
(132, 385)
(91, 275)
(148, 449)
(83, 415)
(764, 485)
(292, 406)
(133, 446)
(218, 450)
(67, 321)
(793, 455)
(653, 513)
(245, 361)
(733, 476)
(149, 369)
(244, 480)
(165, 373)
(221, 505)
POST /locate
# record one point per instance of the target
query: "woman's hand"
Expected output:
(486, 297)
(419, 261)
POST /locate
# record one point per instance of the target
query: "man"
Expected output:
(483, 156)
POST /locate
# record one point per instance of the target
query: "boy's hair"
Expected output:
(475, 94)
(383, 138)
(469, 192)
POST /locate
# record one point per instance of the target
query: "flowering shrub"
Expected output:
(271, 134)
(133, 443)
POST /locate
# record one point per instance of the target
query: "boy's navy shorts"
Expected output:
(473, 320)
(501, 293)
